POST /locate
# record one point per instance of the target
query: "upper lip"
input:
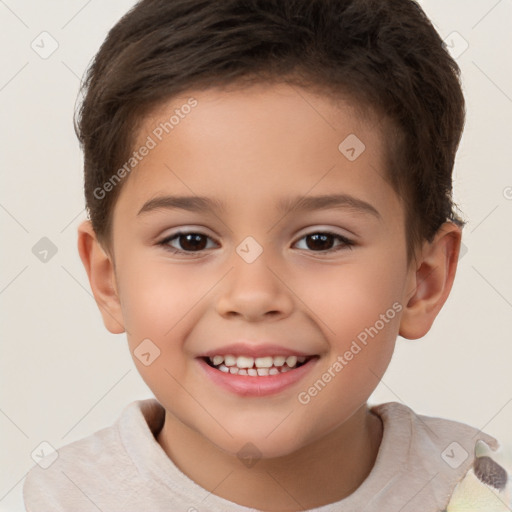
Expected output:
(254, 350)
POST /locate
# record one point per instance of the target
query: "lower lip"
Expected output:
(246, 385)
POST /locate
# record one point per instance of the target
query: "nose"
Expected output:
(254, 292)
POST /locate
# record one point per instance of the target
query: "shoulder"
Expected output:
(430, 430)
(454, 458)
(447, 439)
(72, 476)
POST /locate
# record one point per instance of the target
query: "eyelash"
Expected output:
(345, 242)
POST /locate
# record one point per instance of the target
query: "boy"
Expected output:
(269, 190)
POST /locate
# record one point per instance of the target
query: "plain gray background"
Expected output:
(63, 376)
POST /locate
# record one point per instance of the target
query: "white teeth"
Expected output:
(216, 360)
(244, 362)
(230, 360)
(291, 361)
(279, 360)
(263, 362)
(263, 366)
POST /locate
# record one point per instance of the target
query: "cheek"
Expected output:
(155, 300)
(359, 306)
(155, 295)
(349, 298)
(359, 309)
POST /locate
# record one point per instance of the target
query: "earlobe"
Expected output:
(431, 281)
(100, 271)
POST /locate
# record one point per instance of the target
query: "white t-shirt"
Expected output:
(122, 468)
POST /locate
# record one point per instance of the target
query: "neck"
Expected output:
(323, 472)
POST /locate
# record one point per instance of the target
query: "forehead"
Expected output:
(246, 147)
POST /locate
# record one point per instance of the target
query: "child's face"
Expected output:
(307, 295)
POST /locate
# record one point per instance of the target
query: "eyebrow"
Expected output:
(301, 203)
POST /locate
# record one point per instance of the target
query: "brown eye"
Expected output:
(324, 242)
(192, 242)
(319, 242)
(186, 242)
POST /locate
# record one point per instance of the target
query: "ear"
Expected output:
(430, 282)
(101, 272)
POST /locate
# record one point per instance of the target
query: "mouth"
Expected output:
(256, 366)
(260, 376)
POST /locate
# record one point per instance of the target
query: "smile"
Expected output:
(255, 366)
(249, 376)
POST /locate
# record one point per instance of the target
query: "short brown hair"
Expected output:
(383, 54)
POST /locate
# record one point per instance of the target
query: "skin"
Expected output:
(249, 149)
